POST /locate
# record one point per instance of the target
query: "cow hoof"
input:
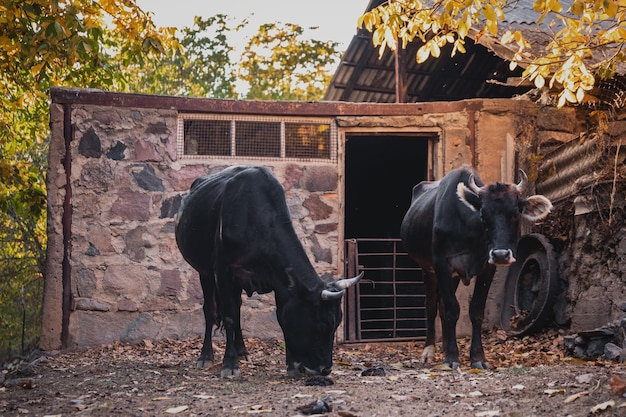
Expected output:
(202, 363)
(452, 365)
(428, 356)
(480, 365)
(230, 373)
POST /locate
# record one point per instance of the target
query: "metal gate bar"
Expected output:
(388, 303)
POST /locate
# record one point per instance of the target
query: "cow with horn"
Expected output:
(235, 229)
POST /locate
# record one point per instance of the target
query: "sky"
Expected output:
(336, 19)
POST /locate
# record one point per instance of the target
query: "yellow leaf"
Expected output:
(570, 96)
(539, 81)
(488, 12)
(602, 406)
(539, 5)
(577, 7)
(422, 54)
(507, 37)
(576, 396)
(555, 6)
(434, 49)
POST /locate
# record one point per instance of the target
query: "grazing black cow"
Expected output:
(234, 228)
(458, 228)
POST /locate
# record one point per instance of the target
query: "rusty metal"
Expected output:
(570, 168)
(388, 303)
(531, 286)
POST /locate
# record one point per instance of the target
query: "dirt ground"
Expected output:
(529, 377)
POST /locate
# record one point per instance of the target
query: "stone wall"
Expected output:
(128, 279)
(115, 184)
(588, 225)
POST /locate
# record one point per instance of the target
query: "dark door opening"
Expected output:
(381, 170)
(380, 174)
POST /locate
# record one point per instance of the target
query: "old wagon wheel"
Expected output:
(530, 287)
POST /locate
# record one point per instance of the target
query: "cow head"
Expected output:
(309, 321)
(500, 207)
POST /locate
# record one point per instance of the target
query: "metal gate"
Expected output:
(388, 303)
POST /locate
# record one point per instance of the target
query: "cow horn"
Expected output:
(523, 181)
(472, 184)
(332, 295)
(348, 282)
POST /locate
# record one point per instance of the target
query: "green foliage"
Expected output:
(278, 64)
(201, 67)
(45, 43)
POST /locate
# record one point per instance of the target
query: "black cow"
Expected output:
(234, 228)
(458, 228)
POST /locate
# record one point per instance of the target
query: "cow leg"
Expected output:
(477, 315)
(442, 311)
(432, 299)
(445, 283)
(209, 308)
(242, 352)
(231, 296)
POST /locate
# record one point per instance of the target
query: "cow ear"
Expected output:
(536, 208)
(468, 197)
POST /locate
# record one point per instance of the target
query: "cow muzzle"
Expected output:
(502, 257)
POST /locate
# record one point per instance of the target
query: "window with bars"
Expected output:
(230, 136)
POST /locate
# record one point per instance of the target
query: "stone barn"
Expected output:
(120, 165)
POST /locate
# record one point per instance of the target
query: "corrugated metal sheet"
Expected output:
(570, 168)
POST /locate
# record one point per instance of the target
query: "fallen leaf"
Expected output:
(584, 379)
(618, 385)
(176, 410)
(335, 392)
(490, 413)
(551, 392)
(442, 367)
(475, 394)
(160, 398)
(602, 406)
(576, 396)
(204, 396)
(399, 397)
(475, 371)
(518, 387)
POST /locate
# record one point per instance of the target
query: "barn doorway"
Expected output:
(380, 172)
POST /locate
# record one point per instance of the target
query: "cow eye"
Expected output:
(521, 205)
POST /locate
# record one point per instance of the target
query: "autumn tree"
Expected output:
(202, 67)
(279, 64)
(585, 38)
(45, 43)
